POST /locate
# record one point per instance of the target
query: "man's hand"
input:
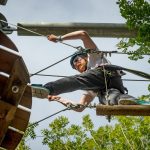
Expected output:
(53, 97)
(52, 38)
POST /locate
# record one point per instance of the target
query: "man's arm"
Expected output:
(85, 100)
(82, 35)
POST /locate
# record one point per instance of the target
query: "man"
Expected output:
(93, 77)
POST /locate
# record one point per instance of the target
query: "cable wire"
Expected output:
(35, 123)
(51, 65)
(78, 47)
(61, 76)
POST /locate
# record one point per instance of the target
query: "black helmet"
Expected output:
(78, 53)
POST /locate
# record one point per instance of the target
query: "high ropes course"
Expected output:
(16, 95)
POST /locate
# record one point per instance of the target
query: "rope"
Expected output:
(23, 28)
(105, 78)
(37, 122)
(135, 80)
(51, 65)
(59, 76)
(78, 47)
(110, 52)
(69, 107)
(38, 33)
(136, 72)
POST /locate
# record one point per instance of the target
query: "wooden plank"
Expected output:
(7, 59)
(119, 110)
(20, 120)
(17, 83)
(3, 81)
(6, 41)
(13, 89)
(7, 113)
(11, 140)
(93, 29)
(26, 99)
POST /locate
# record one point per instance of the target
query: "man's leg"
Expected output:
(90, 80)
(116, 93)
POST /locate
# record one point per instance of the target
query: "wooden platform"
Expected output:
(127, 110)
(15, 94)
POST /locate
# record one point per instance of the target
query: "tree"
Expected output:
(137, 15)
(128, 133)
(30, 133)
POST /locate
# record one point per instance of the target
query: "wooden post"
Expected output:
(119, 110)
(94, 29)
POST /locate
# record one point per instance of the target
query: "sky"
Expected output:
(39, 53)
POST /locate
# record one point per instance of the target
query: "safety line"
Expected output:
(35, 123)
(51, 65)
(37, 33)
(70, 106)
(78, 47)
(23, 28)
(67, 76)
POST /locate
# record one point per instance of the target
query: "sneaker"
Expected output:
(128, 102)
(143, 102)
(39, 91)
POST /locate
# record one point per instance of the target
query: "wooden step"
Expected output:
(127, 110)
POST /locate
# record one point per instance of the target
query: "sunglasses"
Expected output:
(78, 58)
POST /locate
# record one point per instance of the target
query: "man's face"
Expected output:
(80, 64)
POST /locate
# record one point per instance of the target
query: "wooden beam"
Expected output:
(20, 120)
(3, 81)
(6, 42)
(7, 112)
(7, 59)
(11, 140)
(17, 83)
(14, 91)
(94, 29)
(26, 100)
(119, 110)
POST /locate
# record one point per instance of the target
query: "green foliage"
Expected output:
(30, 133)
(137, 15)
(128, 133)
